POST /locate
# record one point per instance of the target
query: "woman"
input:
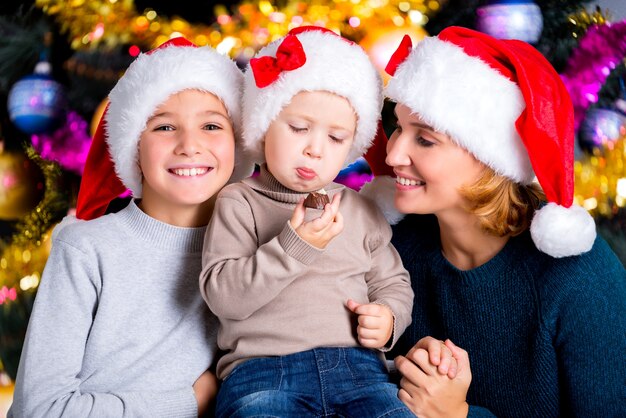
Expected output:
(506, 268)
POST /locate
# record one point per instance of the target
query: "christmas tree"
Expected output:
(58, 61)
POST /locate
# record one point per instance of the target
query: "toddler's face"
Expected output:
(307, 144)
(186, 152)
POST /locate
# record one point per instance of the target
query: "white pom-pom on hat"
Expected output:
(562, 232)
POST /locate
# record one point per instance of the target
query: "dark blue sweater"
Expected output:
(546, 337)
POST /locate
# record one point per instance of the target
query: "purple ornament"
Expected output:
(519, 19)
(600, 126)
(37, 103)
(68, 145)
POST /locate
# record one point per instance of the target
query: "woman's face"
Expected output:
(430, 168)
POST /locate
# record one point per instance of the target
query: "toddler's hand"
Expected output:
(318, 232)
(375, 323)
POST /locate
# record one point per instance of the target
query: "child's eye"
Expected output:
(212, 127)
(336, 139)
(164, 128)
(424, 142)
(297, 129)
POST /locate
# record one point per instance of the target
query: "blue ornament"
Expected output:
(511, 19)
(600, 127)
(37, 103)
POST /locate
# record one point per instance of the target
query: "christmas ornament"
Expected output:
(601, 127)
(511, 19)
(68, 145)
(21, 185)
(37, 103)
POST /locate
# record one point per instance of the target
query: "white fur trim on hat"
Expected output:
(333, 65)
(563, 232)
(382, 190)
(465, 98)
(148, 82)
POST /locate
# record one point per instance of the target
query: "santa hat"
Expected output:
(310, 58)
(502, 101)
(112, 164)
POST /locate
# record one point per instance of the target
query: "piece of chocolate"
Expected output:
(316, 200)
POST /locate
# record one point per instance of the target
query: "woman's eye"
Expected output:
(397, 128)
(296, 129)
(424, 142)
(212, 127)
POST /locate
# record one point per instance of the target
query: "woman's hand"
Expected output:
(205, 389)
(428, 393)
(439, 355)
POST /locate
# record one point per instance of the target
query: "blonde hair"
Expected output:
(503, 207)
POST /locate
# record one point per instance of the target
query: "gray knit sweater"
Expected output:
(119, 328)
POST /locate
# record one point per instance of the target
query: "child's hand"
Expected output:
(375, 323)
(205, 389)
(318, 232)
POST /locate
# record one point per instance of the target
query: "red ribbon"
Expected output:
(289, 56)
(398, 57)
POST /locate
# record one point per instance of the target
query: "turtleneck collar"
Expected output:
(265, 183)
(160, 234)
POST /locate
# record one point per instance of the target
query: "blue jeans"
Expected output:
(323, 382)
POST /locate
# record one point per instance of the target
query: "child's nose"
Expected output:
(187, 143)
(314, 148)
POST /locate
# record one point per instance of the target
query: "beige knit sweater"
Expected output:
(275, 294)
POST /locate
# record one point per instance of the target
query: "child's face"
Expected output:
(430, 167)
(308, 143)
(186, 152)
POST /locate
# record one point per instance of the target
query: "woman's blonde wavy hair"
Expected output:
(503, 207)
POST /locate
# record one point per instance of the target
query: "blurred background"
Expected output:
(59, 59)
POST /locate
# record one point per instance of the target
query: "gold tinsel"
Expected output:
(582, 19)
(24, 256)
(91, 24)
(600, 179)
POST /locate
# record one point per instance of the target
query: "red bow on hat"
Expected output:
(289, 56)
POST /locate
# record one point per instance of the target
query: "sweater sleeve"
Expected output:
(590, 341)
(238, 276)
(49, 379)
(388, 281)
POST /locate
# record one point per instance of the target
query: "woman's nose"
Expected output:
(396, 151)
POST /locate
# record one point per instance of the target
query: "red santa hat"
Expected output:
(310, 58)
(112, 164)
(502, 101)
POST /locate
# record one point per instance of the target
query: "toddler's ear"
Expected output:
(381, 189)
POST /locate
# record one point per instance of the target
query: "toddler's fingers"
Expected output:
(297, 218)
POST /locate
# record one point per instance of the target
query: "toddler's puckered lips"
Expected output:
(306, 173)
(190, 171)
